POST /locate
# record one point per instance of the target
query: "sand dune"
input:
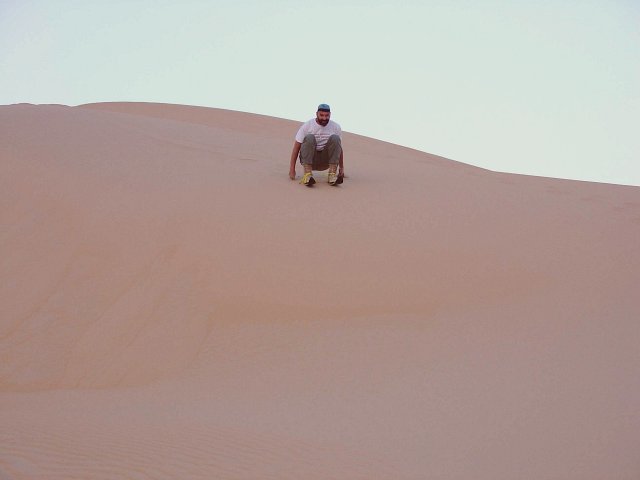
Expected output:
(173, 306)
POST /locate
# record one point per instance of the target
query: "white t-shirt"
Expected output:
(321, 133)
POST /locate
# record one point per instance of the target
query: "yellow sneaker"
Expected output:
(307, 179)
(333, 178)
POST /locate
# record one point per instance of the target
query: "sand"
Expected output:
(172, 306)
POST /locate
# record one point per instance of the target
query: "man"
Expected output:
(319, 144)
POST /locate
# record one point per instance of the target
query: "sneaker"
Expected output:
(335, 179)
(307, 179)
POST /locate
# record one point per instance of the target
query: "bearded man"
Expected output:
(319, 145)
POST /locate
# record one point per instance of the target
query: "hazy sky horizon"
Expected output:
(548, 88)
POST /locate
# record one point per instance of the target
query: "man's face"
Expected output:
(323, 117)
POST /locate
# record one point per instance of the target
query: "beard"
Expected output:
(324, 123)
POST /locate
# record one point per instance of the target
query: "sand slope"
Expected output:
(173, 306)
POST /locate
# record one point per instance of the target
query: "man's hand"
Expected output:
(292, 173)
(341, 172)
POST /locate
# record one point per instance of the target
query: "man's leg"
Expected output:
(333, 151)
(307, 152)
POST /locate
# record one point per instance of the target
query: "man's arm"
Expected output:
(294, 159)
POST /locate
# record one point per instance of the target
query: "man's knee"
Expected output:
(335, 139)
(308, 149)
(334, 145)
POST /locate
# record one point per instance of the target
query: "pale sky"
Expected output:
(545, 87)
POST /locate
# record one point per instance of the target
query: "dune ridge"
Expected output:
(173, 306)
